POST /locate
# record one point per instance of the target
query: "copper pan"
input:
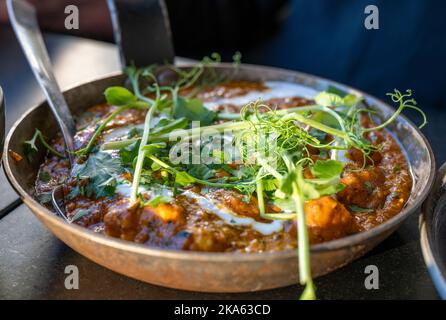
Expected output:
(210, 272)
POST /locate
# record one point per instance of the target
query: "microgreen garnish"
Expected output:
(404, 101)
(80, 213)
(194, 110)
(100, 170)
(30, 149)
(44, 176)
(44, 197)
(119, 96)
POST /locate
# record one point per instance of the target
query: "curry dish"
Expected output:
(381, 189)
(196, 161)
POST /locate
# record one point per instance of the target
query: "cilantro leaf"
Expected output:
(129, 153)
(79, 214)
(44, 176)
(44, 197)
(328, 174)
(351, 100)
(97, 164)
(104, 186)
(29, 147)
(194, 110)
(153, 147)
(100, 169)
(309, 190)
(78, 190)
(201, 171)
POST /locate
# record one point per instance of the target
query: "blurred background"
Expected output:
(321, 37)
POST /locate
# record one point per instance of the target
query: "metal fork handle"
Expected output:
(24, 22)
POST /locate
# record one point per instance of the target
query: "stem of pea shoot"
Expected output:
(101, 128)
(145, 136)
(303, 247)
(141, 153)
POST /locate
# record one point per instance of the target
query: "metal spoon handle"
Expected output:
(24, 21)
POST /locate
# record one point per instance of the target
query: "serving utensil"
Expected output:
(131, 19)
(24, 22)
(204, 271)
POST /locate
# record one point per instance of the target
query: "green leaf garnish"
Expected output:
(184, 179)
(129, 153)
(327, 169)
(158, 200)
(79, 214)
(194, 110)
(30, 149)
(201, 171)
(77, 191)
(100, 170)
(328, 99)
(119, 96)
(152, 148)
(44, 197)
(44, 176)
(358, 209)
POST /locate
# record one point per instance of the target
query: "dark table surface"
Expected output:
(32, 260)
